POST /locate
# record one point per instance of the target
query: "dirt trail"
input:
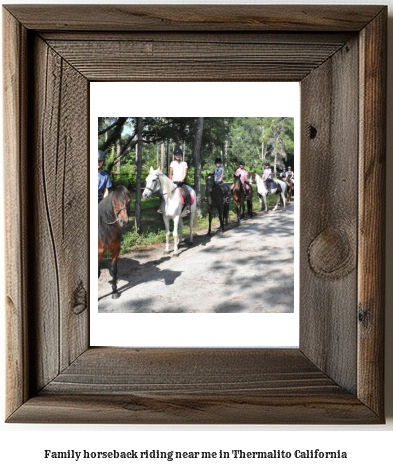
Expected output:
(248, 269)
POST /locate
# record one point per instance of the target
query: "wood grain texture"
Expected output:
(335, 376)
(195, 17)
(193, 386)
(59, 179)
(16, 258)
(328, 248)
(372, 180)
(214, 60)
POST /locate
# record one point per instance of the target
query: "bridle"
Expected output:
(153, 181)
(124, 208)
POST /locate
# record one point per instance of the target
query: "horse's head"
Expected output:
(210, 182)
(252, 178)
(121, 200)
(153, 184)
(237, 185)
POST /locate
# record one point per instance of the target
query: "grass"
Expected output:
(153, 230)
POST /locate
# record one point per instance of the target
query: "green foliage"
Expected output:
(256, 140)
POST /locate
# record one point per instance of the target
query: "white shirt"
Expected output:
(178, 170)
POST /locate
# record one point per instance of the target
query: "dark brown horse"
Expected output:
(113, 214)
(217, 197)
(239, 198)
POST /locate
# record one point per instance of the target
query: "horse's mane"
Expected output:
(168, 185)
(105, 210)
(121, 192)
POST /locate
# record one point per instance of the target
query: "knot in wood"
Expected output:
(80, 299)
(330, 254)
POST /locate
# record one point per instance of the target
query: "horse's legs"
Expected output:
(283, 200)
(277, 202)
(192, 217)
(225, 213)
(101, 251)
(243, 208)
(264, 200)
(175, 236)
(221, 217)
(210, 220)
(167, 233)
(249, 207)
(181, 230)
(115, 254)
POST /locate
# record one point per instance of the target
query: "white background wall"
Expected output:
(368, 447)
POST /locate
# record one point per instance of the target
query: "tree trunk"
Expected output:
(162, 156)
(118, 164)
(196, 153)
(138, 161)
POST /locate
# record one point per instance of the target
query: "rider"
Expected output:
(104, 181)
(243, 174)
(290, 173)
(219, 177)
(177, 173)
(218, 172)
(267, 177)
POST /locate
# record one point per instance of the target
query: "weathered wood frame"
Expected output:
(338, 54)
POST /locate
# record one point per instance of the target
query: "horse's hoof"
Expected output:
(167, 252)
(115, 295)
(175, 255)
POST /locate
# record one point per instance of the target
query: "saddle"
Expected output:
(183, 195)
(274, 186)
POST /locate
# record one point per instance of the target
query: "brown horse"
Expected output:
(239, 198)
(113, 214)
(289, 182)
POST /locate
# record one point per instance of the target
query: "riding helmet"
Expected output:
(218, 160)
(242, 163)
(101, 155)
(178, 151)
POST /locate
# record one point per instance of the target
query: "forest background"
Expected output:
(134, 144)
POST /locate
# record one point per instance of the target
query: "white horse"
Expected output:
(174, 209)
(262, 191)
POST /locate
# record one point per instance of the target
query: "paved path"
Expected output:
(248, 269)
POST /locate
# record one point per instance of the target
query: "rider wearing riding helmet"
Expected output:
(243, 174)
(177, 173)
(290, 173)
(104, 181)
(218, 172)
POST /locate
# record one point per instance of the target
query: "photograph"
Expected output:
(196, 214)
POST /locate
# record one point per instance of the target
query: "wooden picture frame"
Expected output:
(338, 54)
